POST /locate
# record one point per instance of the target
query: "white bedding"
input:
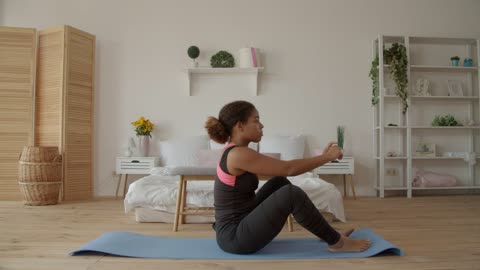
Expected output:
(143, 214)
(159, 192)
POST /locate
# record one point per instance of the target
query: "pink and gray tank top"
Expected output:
(234, 196)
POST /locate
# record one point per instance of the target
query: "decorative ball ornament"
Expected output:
(222, 59)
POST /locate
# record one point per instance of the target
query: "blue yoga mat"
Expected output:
(143, 246)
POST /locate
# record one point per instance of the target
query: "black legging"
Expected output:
(275, 201)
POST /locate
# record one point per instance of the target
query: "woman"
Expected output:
(245, 222)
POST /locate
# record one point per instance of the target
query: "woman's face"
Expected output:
(252, 130)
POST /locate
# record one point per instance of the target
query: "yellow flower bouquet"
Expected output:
(143, 126)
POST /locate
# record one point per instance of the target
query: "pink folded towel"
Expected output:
(431, 179)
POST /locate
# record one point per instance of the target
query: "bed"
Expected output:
(153, 198)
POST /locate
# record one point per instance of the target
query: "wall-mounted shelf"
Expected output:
(206, 70)
(429, 68)
(467, 98)
(444, 127)
(442, 68)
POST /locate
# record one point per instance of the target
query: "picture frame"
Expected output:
(455, 88)
(425, 150)
(422, 87)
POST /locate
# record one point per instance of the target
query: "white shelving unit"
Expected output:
(205, 70)
(428, 58)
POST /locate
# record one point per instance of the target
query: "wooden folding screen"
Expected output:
(17, 70)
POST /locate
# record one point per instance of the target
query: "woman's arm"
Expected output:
(241, 159)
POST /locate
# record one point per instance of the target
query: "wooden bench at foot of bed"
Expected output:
(206, 174)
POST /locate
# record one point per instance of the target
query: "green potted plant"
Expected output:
(340, 139)
(340, 136)
(455, 59)
(193, 52)
(445, 121)
(222, 59)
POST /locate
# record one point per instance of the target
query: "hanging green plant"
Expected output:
(374, 76)
(396, 57)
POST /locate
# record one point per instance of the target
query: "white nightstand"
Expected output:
(133, 165)
(344, 166)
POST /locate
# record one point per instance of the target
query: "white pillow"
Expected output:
(214, 145)
(289, 147)
(183, 151)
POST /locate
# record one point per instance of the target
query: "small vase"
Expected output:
(455, 63)
(143, 145)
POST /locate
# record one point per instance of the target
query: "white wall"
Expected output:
(317, 57)
(1, 12)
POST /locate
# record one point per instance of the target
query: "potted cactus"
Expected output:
(455, 59)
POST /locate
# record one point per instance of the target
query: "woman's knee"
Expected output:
(280, 180)
(293, 191)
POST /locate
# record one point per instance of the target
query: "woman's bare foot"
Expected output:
(347, 232)
(346, 244)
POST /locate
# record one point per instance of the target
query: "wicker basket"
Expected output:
(40, 175)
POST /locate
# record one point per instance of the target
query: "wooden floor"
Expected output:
(434, 232)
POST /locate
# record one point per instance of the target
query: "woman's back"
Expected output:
(234, 196)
